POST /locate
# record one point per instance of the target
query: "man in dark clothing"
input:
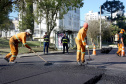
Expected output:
(46, 42)
(120, 42)
(65, 41)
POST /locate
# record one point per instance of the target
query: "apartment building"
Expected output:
(69, 25)
(14, 28)
(93, 16)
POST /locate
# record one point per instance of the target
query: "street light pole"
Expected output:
(100, 30)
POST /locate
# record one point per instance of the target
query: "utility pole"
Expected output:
(40, 31)
(100, 30)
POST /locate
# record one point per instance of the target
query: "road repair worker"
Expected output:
(65, 41)
(13, 42)
(81, 43)
(46, 42)
(120, 42)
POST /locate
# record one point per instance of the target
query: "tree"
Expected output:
(26, 15)
(112, 7)
(93, 30)
(51, 10)
(6, 26)
(121, 21)
(5, 9)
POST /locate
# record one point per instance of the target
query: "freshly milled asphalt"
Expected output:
(30, 69)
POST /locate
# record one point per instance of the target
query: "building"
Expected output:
(69, 25)
(14, 29)
(93, 16)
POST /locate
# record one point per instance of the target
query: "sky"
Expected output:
(89, 5)
(93, 5)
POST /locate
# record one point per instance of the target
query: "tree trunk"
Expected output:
(6, 34)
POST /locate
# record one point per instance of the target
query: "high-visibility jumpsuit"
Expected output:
(13, 42)
(120, 44)
(81, 43)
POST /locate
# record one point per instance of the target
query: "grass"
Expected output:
(35, 45)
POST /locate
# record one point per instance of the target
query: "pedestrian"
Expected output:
(81, 42)
(120, 42)
(65, 41)
(46, 42)
(13, 42)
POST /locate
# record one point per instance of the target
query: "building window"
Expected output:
(75, 11)
(70, 8)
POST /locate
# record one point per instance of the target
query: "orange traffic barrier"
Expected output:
(122, 52)
(94, 50)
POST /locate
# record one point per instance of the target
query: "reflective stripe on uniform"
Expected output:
(78, 50)
(10, 53)
(46, 41)
(83, 41)
(13, 55)
(24, 43)
(64, 42)
(83, 52)
(46, 38)
(17, 38)
(78, 38)
(64, 39)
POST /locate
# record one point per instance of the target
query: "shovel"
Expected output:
(88, 55)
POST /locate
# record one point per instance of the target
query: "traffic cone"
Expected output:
(94, 50)
(122, 52)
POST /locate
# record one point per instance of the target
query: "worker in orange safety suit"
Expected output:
(13, 42)
(81, 43)
(120, 42)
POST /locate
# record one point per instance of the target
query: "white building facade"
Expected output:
(14, 29)
(68, 25)
(93, 16)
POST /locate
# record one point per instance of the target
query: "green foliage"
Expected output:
(112, 7)
(5, 9)
(27, 16)
(6, 26)
(49, 9)
(93, 30)
(121, 21)
(114, 29)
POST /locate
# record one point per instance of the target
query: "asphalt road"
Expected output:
(30, 69)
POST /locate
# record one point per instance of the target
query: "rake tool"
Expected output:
(46, 62)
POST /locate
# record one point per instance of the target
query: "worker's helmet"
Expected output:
(122, 31)
(28, 30)
(85, 25)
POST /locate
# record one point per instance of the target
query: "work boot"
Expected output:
(118, 54)
(83, 63)
(6, 59)
(79, 63)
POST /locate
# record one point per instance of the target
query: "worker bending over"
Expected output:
(81, 43)
(13, 42)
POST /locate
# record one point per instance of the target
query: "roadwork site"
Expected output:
(30, 69)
